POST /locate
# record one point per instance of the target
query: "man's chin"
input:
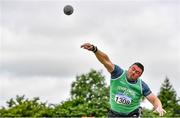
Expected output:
(134, 79)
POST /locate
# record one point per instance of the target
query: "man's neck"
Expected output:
(130, 80)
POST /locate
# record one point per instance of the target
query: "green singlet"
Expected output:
(124, 96)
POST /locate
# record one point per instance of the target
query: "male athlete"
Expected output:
(126, 88)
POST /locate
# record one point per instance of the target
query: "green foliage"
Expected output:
(71, 108)
(89, 86)
(148, 113)
(21, 107)
(169, 99)
(89, 97)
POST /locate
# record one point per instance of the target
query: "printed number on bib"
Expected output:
(122, 99)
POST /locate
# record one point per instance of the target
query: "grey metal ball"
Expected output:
(68, 10)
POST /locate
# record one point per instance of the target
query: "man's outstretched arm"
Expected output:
(156, 103)
(101, 56)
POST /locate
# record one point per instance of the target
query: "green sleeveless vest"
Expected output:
(124, 96)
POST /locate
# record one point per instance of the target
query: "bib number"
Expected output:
(122, 99)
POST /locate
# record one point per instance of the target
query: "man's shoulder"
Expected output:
(145, 88)
(117, 72)
(144, 83)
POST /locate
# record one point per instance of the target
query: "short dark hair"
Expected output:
(139, 65)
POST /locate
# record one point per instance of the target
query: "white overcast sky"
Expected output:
(40, 52)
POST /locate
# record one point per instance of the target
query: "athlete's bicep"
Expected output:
(109, 66)
(116, 72)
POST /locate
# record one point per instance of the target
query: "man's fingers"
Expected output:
(160, 111)
(87, 46)
(164, 111)
(84, 46)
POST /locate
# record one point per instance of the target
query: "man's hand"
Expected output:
(87, 46)
(101, 56)
(160, 110)
(156, 103)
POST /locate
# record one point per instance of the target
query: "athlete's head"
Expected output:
(135, 71)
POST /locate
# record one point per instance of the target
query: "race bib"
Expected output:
(122, 99)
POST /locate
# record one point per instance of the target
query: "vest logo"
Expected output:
(120, 98)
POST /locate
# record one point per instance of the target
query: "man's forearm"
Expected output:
(104, 59)
(101, 56)
(157, 103)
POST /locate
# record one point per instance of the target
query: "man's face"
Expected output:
(134, 72)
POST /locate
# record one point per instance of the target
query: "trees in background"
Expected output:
(89, 97)
(169, 99)
(22, 107)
